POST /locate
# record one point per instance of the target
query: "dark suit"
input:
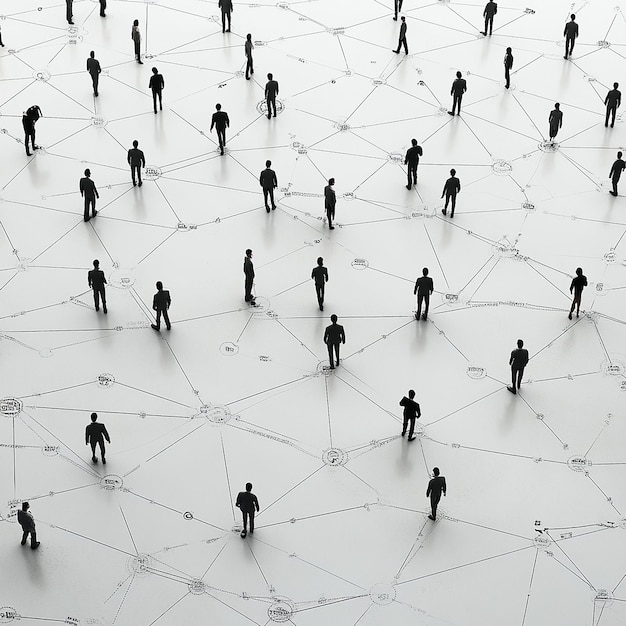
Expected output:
(93, 67)
(613, 100)
(423, 288)
(451, 187)
(227, 9)
(412, 159)
(508, 66)
(136, 160)
(570, 33)
(320, 276)
(29, 119)
(221, 122)
(459, 87)
(248, 46)
(271, 91)
(268, 182)
(249, 505)
(334, 335)
(518, 361)
(95, 434)
(330, 201)
(491, 8)
(556, 121)
(27, 522)
(411, 413)
(135, 35)
(161, 303)
(616, 172)
(97, 280)
(157, 84)
(248, 270)
(90, 193)
(436, 487)
(402, 39)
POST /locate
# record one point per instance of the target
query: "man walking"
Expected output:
(157, 85)
(248, 504)
(95, 434)
(89, 192)
(248, 270)
(491, 8)
(518, 361)
(29, 119)
(136, 160)
(579, 282)
(27, 522)
(411, 413)
(249, 47)
(424, 289)
(97, 280)
(221, 122)
(271, 91)
(436, 486)
(459, 87)
(555, 120)
(411, 160)
(508, 66)
(333, 336)
(93, 67)
(616, 171)
(450, 189)
(268, 182)
(330, 201)
(161, 304)
(612, 101)
(227, 9)
(320, 275)
(570, 33)
(402, 37)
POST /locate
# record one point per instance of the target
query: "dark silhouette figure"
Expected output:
(616, 171)
(248, 270)
(1, 44)
(271, 91)
(411, 413)
(249, 47)
(136, 160)
(157, 85)
(135, 35)
(29, 119)
(570, 33)
(320, 275)
(69, 15)
(459, 87)
(227, 9)
(221, 122)
(249, 505)
(27, 522)
(161, 304)
(491, 8)
(411, 160)
(97, 280)
(508, 66)
(451, 187)
(93, 67)
(89, 192)
(268, 182)
(555, 120)
(95, 434)
(334, 335)
(402, 37)
(436, 486)
(397, 7)
(423, 288)
(330, 201)
(579, 282)
(612, 101)
(518, 361)
(103, 7)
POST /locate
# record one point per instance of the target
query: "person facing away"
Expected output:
(95, 434)
(555, 120)
(248, 271)
(459, 87)
(612, 101)
(27, 522)
(136, 160)
(89, 192)
(436, 486)
(221, 122)
(402, 37)
(450, 189)
(157, 85)
(491, 8)
(579, 282)
(248, 48)
(508, 66)
(268, 182)
(411, 160)
(248, 504)
(29, 119)
(93, 67)
(334, 335)
(227, 9)
(161, 304)
(271, 91)
(616, 172)
(518, 361)
(570, 32)
(135, 35)
(97, 280)
(423, 288)
(320, 275)
(411, 413)
(330, 201)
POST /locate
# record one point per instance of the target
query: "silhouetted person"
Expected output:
(221, 122)
(27, 522)
(29, 119)
(97, 280)
(450, 189)
(157, 85)
(436, 486)
(579, 282)
(135, 35)
(136, 160)
(402, 37)
(411, 413)
(508, 66)
(320, 275)
(491, 8)
(268, 182)
(271, 91)
(330, 201)
(424, 289)
(616, 171)
(69, 15)
(334, 335)
(93, 67)
(613, 100)
(103, 6)
(411, 160)
(161, 304)
(89, 192)
(95, 434)
(570, 33)
(227, 9)
(397, 7)
(459, 87)
(248, 270)
(518, 361)
(249, 505)
(249, 47)
(1, 44)
(555, 120)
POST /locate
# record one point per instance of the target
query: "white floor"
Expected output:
(533, 529)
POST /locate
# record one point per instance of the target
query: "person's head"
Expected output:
(249, 253)
(615, 85)
(87, 172)
(249, 36)
(619, 154)
(403, 18)
(573, 16)
(135, 143)
(557, 106)
(333, 318)
(248, 486)
(270, 76)
(425, 272)
(414, 142)
(436, 471)
(411, 394)
(159, 285)
(92, 54)
(320, 261)
(25, 506)
(96, 263)
(218, 106)
(452, 172)
(136, 23)
(520, 343)
(458, 74)
(154, 70)
(331, 181)
(268, 163)
(508, 50)
(94, 417)
(579, 271)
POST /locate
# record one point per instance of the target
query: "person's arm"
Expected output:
(162, 82)
(128, 157)
(154, 302)
(256, 503)
(227, 121)
(571, 287)
(419, 412)
(169, 300)
(343, 335)
(212, 123)
(511, 359)
(326, 336)
(275, 179)
(406, 158)
(432, 286)
(415, 288)
(420, 152)
(313, 273)
(143, 160)
(276, 87)
(105, 433)
(89, 278)
(87, 433)
(96, 191)
(606, 100)
(261, 178)
(238, 502)
(428, 490)
(326, 274)
(444, 487)
(87, 64)
(458, 186)
(585, 283)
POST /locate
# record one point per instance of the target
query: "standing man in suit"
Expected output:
(450, 189)
(249, 47)
(320, 275)
(97, 280)
(93, 67)
(248, 504)
(459, 87)
(411, 413)
(135, 35)
(555, 120)
(136, 160)
(248, 270)
(271, 91)
(227, 9)
(397, 7)
(221, 122)
(423, 288)
(157, 85)
(412, 160)
(29, 119)
(268, 182)
(334, 335)
(402, 37)
(103, 6)
(616, 171)
(518, 361)
(612, 101)
(27, 522)
(571, 34)
(330, 201)
(436, 486)
(579, 282)
(69, 12)
(508, 66)
(161, 304)
(491, 8)
(95, 434)
(89, 192)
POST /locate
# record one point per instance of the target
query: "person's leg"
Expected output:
(406, 47)
(92, 202)
(93, 451)
(223, 21)
(25, 537)
(96, 299)
(272, 199)
(330, 355)
(251, 514)
(329, 215)
(337, 353)
(453, 204)
(486, 25)
(614, 181)
(244, 514)
(408, 177)
(520, 373)
(411, 427)
(160, 100)
(158, 319)
(104, 298)
(133, 168)
(613, 111)
(33, 539)
(166, 319)
(433, 506)
(103, 6)
(405, 423)
(399, 45)
(513, 379)
(322, 288)
(577, 299)
(265, 195)
(426, 303)
(414, 173)
(229, 16)
(507, 77)
(26, 142)
(139, 181)
(102, 451)
(420, 298)
(86, 209)
(268, 102)
(154, 99)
